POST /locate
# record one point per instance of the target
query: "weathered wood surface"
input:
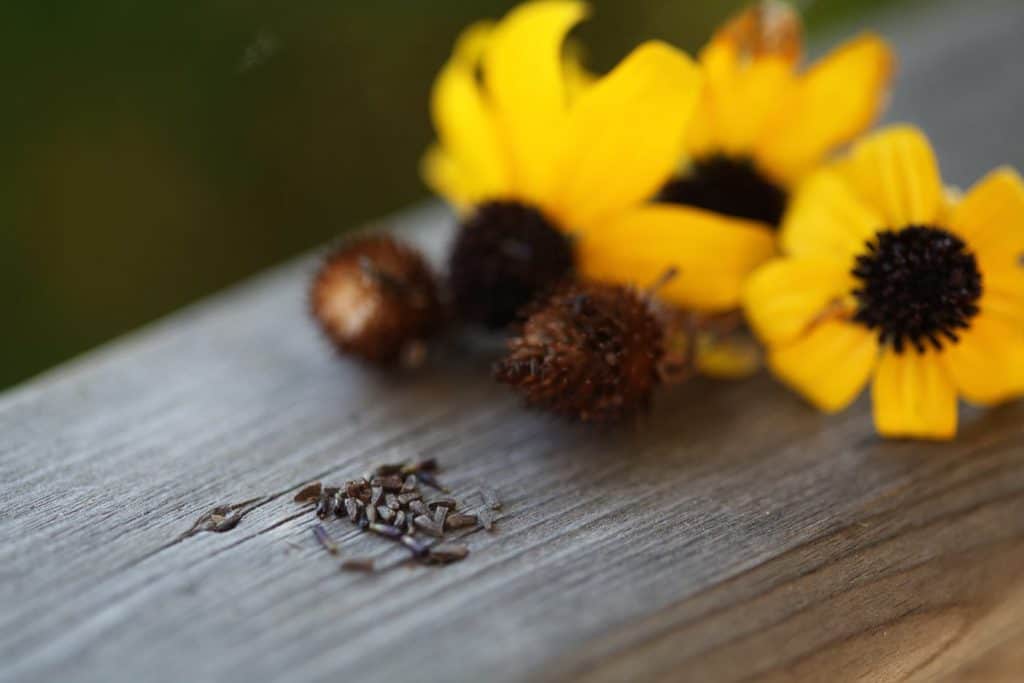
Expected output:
(735, 534)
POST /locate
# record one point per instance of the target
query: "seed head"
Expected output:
(589, 352)
(505, 254)
(918, 286)
(376, 299)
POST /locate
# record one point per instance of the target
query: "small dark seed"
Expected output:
(429, 480)
(352, 508)
(358, 564)
(418, 507)
(445, 501)
(389, 468)
(428, 526)
(324, 538)
(392, 482)
(325, 506)
(375, 493)
(459, 520)
(406, 498)
(400, 519)
(448, 552)
(417, 548)
(385, 530)
(391, 500)
(440, 513)
(409, 484)
(308, 494)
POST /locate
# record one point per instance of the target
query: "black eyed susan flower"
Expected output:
(533, 150)
(885, 276)
(761, 126)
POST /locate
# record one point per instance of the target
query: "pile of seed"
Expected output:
(390, 503)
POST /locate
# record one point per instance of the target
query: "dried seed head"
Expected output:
(505, 254)
(376, 299)
(589, 352)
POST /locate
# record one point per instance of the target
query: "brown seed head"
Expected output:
(589, 352)
(505, 254)
(376, 299)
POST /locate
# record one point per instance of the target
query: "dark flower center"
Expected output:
(918, 285)
(728, 185)
(504, 255)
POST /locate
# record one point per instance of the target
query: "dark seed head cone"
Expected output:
(590, 352)
(919, 287)
(730, 186)
(376, 299)
(505, 254)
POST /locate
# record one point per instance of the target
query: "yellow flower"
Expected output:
(762, 125)
(884, 275)
(509, 131)
(519, 124)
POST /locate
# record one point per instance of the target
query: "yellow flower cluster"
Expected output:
(744, 173)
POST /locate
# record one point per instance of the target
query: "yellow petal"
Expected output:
(991, 220)
(836, 100)
(913, 396)
(785, 296)
(896, 173)
(523, 70)
(740, 99)
(727, 358)
(1003, 295)
(578, 78)
(712, 254)
(444, 176)
(764, 28)
(624, 135)
(987, 365)
(465, 127)
(472, 42)
(827, 219)
(829, 365)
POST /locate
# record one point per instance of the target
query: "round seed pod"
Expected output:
(589, 352)
(505, 254)
(377, 299)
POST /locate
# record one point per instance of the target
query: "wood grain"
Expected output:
(734, 534)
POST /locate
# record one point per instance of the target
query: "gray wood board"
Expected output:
(734, 533)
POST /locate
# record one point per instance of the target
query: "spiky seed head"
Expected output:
(589, 352)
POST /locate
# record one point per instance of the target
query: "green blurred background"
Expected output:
(157, 151)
